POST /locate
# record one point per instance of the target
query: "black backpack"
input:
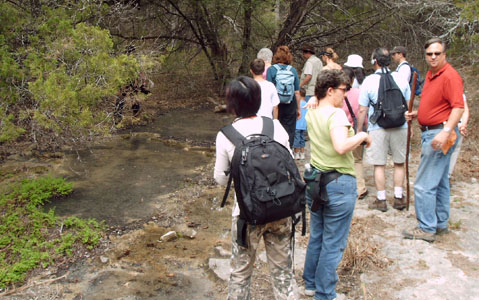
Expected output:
(390, 108)
(267, 182)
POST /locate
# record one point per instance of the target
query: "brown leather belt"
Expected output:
(431, 127)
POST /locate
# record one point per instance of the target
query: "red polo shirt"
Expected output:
(441, 93)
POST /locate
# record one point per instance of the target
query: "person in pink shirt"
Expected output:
(267, 56)
(353, 97)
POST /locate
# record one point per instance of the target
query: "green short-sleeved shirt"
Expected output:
(323, 156)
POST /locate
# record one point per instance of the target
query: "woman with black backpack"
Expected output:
(243, 97)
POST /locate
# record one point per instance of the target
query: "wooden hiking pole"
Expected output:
(408, 142)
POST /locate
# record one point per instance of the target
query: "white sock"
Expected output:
(381, 195)
(398, 191)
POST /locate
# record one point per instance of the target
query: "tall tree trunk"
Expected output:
(296, 16)
(245, 46)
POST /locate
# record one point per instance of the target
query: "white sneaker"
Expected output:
(304, 292)
(296, 155)
(301, 155)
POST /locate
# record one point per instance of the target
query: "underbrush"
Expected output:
(31, 237)
(362, 252)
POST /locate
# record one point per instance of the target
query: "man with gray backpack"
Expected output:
(383, 96)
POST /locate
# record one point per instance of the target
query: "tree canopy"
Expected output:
(64, 62)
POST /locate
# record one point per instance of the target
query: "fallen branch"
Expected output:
(16, 290)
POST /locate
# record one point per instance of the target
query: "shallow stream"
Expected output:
(122, 180)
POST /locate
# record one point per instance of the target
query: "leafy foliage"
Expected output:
(56, 74)
(30, 237)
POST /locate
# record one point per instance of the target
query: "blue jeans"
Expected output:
(431, 188)
(329, 229)
(299, 141)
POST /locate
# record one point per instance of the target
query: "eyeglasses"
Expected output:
(342, 89)
(433, 53)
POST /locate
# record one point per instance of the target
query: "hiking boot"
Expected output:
(399, 203)
(419, 234)
(441, 231)
(379, 205)
(301, 155)
(363, 195)
(304, 292)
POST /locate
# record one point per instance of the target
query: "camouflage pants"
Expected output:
(277, 240)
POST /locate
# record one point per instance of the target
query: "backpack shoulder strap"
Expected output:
(268, 127)
(233, 135)
(236, 138)
(289, 67)
(351, 112)
(277, 67)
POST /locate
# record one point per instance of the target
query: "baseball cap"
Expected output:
(399, 49)
(308, 47)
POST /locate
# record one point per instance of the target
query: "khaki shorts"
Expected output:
(384, 141)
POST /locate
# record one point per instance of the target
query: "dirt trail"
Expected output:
(137, 265)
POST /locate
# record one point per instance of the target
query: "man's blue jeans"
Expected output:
(329, 229)
(431, 188)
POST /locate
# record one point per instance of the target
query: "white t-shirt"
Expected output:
(405, 70)
(225, 149)
(269, 99)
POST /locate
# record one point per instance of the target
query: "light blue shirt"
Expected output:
(368, 95)
(301, 123)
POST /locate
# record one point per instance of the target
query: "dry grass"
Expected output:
(362, 252)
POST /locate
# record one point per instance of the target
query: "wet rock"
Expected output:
(190, 233)
(221, 267)
(220, 251)
(104, 259)
(169, 236)
(185, 231)
(220, 108)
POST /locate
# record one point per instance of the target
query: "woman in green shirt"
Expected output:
(332, 140)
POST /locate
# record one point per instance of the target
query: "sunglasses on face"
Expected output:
(343, 89)
(433, 53)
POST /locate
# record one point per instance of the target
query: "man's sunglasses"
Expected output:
(433, 53)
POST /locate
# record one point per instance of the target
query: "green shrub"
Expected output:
(32, 238)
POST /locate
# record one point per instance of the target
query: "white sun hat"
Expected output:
(354, 61)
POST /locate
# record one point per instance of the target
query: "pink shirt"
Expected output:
(353, 97)
(265, 71)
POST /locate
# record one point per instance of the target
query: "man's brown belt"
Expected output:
(431, 127)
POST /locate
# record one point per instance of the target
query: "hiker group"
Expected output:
(342, 112)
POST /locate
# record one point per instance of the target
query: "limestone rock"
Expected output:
(221, 267)
(169, 236)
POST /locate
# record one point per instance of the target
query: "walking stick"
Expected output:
(411, 104)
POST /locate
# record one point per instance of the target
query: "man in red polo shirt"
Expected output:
(440, 109)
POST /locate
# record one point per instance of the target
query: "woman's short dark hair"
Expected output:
(329, 79)
(349, 72)
(359, 74)
(243, 97)
(356, 72)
